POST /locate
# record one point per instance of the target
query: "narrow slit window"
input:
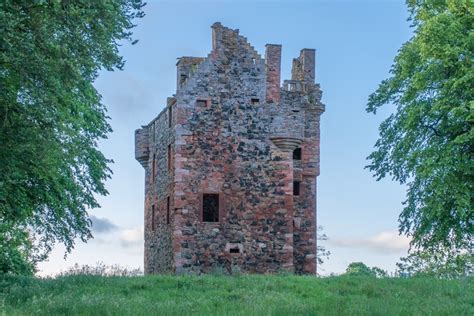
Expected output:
(296, 188)
(234, 250)
(153, 217)
(153, 133)
(169, 157)
(210, 207)
(255, 101)
(297, 154)
(170, 116)
(168, 210)
(182, 79)
(153, 168)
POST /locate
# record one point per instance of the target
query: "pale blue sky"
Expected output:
(355, 44)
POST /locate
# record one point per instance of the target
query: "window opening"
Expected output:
(170, 116)
(297, 154)
(168, 210)
(255, 101)
(153, 168)
(153, 217)
(210, 207)
(201, 103)
(296, 188)
(169, 157)
(234, 250)
(153, 133)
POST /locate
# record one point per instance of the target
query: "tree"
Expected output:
(427, 143)
(15, 251)
(440, 262)
(361, 269)
(321, 251)
(51, 117)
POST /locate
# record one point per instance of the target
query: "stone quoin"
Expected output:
(231, 164)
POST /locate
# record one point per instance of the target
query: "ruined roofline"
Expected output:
(170, 102)
(227, 42)
(303, 68)
(188, 67)
(225, 39)
(218, 40)
(189, 60)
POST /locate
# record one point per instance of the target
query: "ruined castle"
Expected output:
(231, 164)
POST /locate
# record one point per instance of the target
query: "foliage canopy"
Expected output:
(427, 143)
(441, 262)
(51, 116)
(361, 269)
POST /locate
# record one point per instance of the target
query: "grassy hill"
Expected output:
(236, 295)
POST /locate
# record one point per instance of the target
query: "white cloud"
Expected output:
(386, 241)
(131, 238)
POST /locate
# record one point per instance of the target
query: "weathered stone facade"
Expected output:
(232, 135)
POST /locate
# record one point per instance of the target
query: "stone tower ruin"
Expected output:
(231, 164)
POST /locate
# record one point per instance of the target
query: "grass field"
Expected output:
(236, 295)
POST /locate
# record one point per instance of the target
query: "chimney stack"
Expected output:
(273, 69)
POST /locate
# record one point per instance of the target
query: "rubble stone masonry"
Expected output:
(232, 131)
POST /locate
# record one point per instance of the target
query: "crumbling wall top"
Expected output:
(304, 66)
(228, 42)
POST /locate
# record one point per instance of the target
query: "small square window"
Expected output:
(201, 103)
(255, 101)
(210, 207)
(234, 249)
(297, 154)
(296, 188)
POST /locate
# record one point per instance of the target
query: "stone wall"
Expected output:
(158, 255)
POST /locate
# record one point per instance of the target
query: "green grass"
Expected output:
(237, 295)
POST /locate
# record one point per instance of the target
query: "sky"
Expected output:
(355, 42)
